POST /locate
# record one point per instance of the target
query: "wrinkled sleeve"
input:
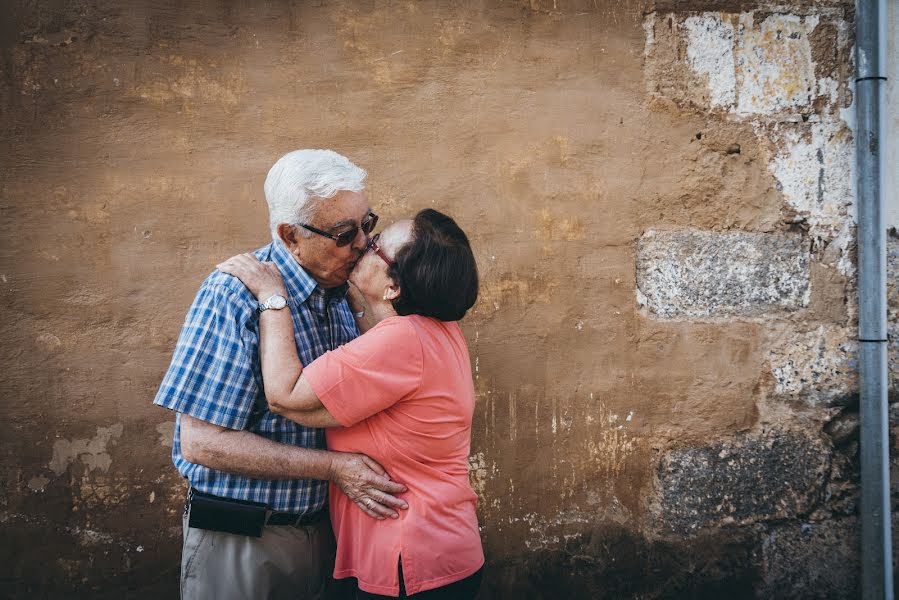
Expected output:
(211, 375)
(369, 374)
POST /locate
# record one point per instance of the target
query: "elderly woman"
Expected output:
(402, 393)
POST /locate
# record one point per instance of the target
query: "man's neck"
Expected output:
(325, 285)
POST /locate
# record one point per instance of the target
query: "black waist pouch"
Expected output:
(224, 514)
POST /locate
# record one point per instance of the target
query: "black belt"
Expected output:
(295, 519)
(240, 516)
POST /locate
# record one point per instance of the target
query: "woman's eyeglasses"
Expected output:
(373, 246)
(345, 238)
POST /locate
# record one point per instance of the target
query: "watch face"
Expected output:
(277, 302)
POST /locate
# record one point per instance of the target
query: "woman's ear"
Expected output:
(391, 292)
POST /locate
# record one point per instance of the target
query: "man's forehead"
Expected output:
(350, 219)
(346, 208)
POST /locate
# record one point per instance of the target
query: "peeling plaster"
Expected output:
(838, 250)
(91, 452)
(650, 32)
(774, 64)
(813, 171)
(479, 472)
(166, 433)
(609, 449)
(37, 484)
(752, 68)
(710, 53)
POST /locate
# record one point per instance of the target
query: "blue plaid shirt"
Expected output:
(216, 376)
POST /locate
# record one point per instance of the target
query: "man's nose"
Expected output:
(360, 242)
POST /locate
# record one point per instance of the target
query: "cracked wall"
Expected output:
(660, 198)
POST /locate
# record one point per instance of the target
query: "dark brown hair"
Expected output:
(436, 271)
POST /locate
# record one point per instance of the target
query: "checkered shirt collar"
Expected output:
(300, 284)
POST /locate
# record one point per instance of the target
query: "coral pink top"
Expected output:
(404, 395)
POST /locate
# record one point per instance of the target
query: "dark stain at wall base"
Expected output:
(612, 562)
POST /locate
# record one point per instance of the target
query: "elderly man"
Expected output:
(256, 524)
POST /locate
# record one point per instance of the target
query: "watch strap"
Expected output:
(268, 304)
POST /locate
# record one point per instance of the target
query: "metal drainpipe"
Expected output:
(877, 561)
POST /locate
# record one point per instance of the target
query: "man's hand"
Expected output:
(367, 484)
(362, 479)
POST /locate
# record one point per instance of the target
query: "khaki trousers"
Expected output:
(286, 562)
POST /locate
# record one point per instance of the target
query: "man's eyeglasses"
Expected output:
(373, 246)
(345, 238)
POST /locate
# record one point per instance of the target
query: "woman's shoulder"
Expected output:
(408, 327)
(418, 324)
(398, 328)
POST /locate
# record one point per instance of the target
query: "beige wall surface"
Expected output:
(660, 199)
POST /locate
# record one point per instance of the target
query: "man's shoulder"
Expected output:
(227, 288)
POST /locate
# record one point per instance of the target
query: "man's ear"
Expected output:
(288, 235)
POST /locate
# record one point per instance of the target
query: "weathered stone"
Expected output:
(752, 478)
(843, 428)
(811, 560)
(697, 274)
(894, 453)
(816, 368)
(842, 494)
(893, 310)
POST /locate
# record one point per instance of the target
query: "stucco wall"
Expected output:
(660, 196)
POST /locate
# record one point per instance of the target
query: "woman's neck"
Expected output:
(381, 310)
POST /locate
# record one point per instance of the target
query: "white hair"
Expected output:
(300, 180)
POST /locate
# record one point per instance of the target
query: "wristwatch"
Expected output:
(276, 302)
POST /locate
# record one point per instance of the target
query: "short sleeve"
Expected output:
(369, 374)
(211, 375)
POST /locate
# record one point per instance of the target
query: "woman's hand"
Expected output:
(355, 298)
(262, 278)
